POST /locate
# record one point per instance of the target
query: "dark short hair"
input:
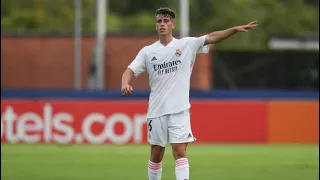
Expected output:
(165, 11)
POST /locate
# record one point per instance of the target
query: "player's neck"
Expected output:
(165, 39)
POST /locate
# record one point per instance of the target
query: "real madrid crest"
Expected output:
(178, 52)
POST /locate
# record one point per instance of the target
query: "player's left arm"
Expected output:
(218, 36)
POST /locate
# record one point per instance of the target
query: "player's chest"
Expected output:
(166, 61)
(165, 54)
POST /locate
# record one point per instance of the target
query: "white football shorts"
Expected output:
(170, 128)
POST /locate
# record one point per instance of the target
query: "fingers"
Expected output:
(253, 23)
(250, 26)
(127, 91)
(124, 92)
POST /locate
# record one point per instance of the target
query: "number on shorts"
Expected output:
(149, 125)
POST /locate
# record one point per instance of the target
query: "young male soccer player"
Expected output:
(169, 63)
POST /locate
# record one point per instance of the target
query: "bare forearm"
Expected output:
(218, 36)
(126, 77)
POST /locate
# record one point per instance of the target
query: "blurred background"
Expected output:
(254, 96)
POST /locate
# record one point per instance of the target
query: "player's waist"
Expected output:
(158, 111)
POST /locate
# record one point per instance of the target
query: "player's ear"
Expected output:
(173, 24)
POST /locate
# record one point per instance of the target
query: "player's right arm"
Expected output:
(126, 89)
(137, 66)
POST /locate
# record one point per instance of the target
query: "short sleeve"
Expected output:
(138, 65)
(197, 44)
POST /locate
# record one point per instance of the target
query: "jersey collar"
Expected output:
(168, 45)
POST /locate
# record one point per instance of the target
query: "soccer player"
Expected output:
(169, 63)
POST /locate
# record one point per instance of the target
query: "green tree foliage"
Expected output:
(294, 17)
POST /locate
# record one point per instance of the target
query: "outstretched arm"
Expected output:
(218, 36)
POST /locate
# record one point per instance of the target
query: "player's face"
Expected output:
(165, 24)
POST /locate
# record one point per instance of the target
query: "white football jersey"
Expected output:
(169, 69)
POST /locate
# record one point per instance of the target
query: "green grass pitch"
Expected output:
(129, 162)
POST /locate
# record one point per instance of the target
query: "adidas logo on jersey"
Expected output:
(154, 59)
